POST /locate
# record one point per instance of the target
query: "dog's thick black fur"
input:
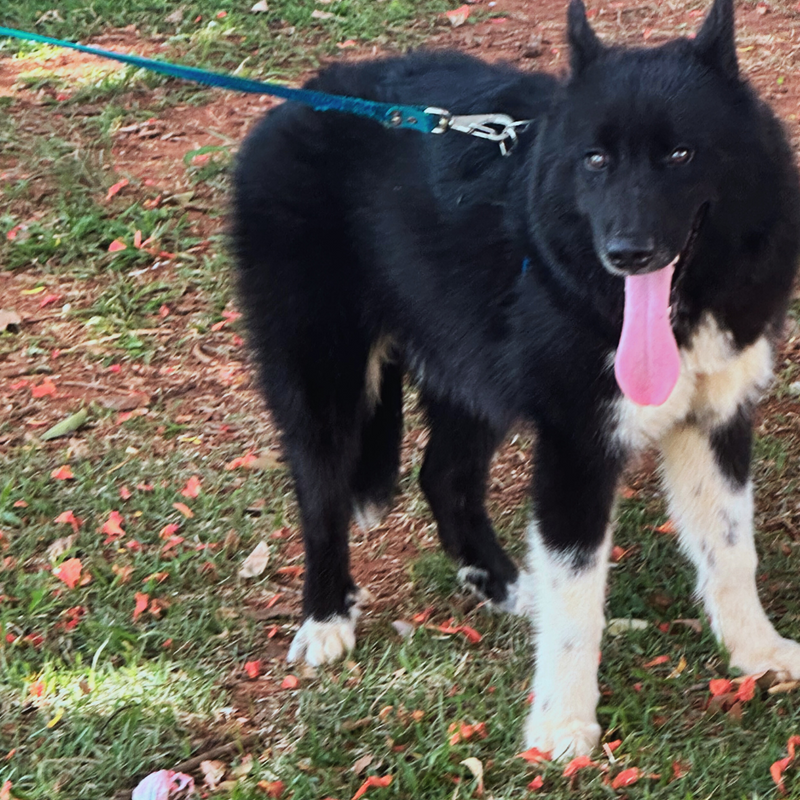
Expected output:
(365, 253)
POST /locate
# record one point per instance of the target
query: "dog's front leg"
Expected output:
(706, 476)
(570, 540)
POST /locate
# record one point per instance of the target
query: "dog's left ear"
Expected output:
(715, 42)
(584, 45)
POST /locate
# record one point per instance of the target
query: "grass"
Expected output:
(94, 696)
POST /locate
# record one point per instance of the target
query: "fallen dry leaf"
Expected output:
(9, 319)
(475, 766)
(362, 763)
(255, 564)
(61, 545)
(213, 773)
(159, 785)
(272, 788)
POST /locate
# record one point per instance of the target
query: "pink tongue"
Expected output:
(648, 363)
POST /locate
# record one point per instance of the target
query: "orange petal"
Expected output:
(192, 488)
(536, 783)
(184, 509)
(119, 185)
(656, 661)
(373, 780)
(747, 689)
(142, 601)
(290, 682)
(776, 772)
(720, 686)
(534, 755)
(69, 572)
(62, 474)
(579, 762)
(626, 778)
(116, 246)
(252, 669)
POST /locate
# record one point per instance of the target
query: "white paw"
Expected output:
(519, 598)
(564, 738)
(322, 642)
(772, 652)
(328, 640)
(368, 516)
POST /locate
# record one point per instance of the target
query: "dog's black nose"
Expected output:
(630, 255)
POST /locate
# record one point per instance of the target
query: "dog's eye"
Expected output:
(596, 160)
(680, 155)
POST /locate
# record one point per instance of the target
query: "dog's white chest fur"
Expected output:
(715, 380)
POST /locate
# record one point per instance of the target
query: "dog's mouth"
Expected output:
(648, 363)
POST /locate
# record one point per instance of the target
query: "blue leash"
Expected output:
(498, 128)
(395, 116)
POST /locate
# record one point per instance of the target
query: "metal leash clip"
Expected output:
(498, 128)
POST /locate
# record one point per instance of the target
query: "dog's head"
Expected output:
(645, 125)
(639, 144)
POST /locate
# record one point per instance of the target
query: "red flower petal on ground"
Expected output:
(290, 682)
(117, 187)
(63, 473)
(719, 686)
(534, 755)
(142, 601)
(747, 689)
(169, 530)
(112, 527)
(44, 389)
(252, 669)
(69, 572)
(657, 661)
(184, 509)
(116, 246)
(373, 780)
(192, 488)
(536, 783)
(579, 762)
(776, 772)
(48, 299)
(124, 493)
(626, 778)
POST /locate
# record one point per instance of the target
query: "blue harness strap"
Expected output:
(394, 116)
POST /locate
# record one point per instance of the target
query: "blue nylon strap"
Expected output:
(394, 116)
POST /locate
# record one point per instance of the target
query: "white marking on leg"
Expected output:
(321, 642)
(369, 516)
(715, 525)
(568, 624)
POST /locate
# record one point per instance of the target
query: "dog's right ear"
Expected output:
(584, 45)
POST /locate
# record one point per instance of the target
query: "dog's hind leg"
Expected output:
(706, 476)
(570, 543)
(379, 460)
(453, 477)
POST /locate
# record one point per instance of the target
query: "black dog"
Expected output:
(619, 280)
